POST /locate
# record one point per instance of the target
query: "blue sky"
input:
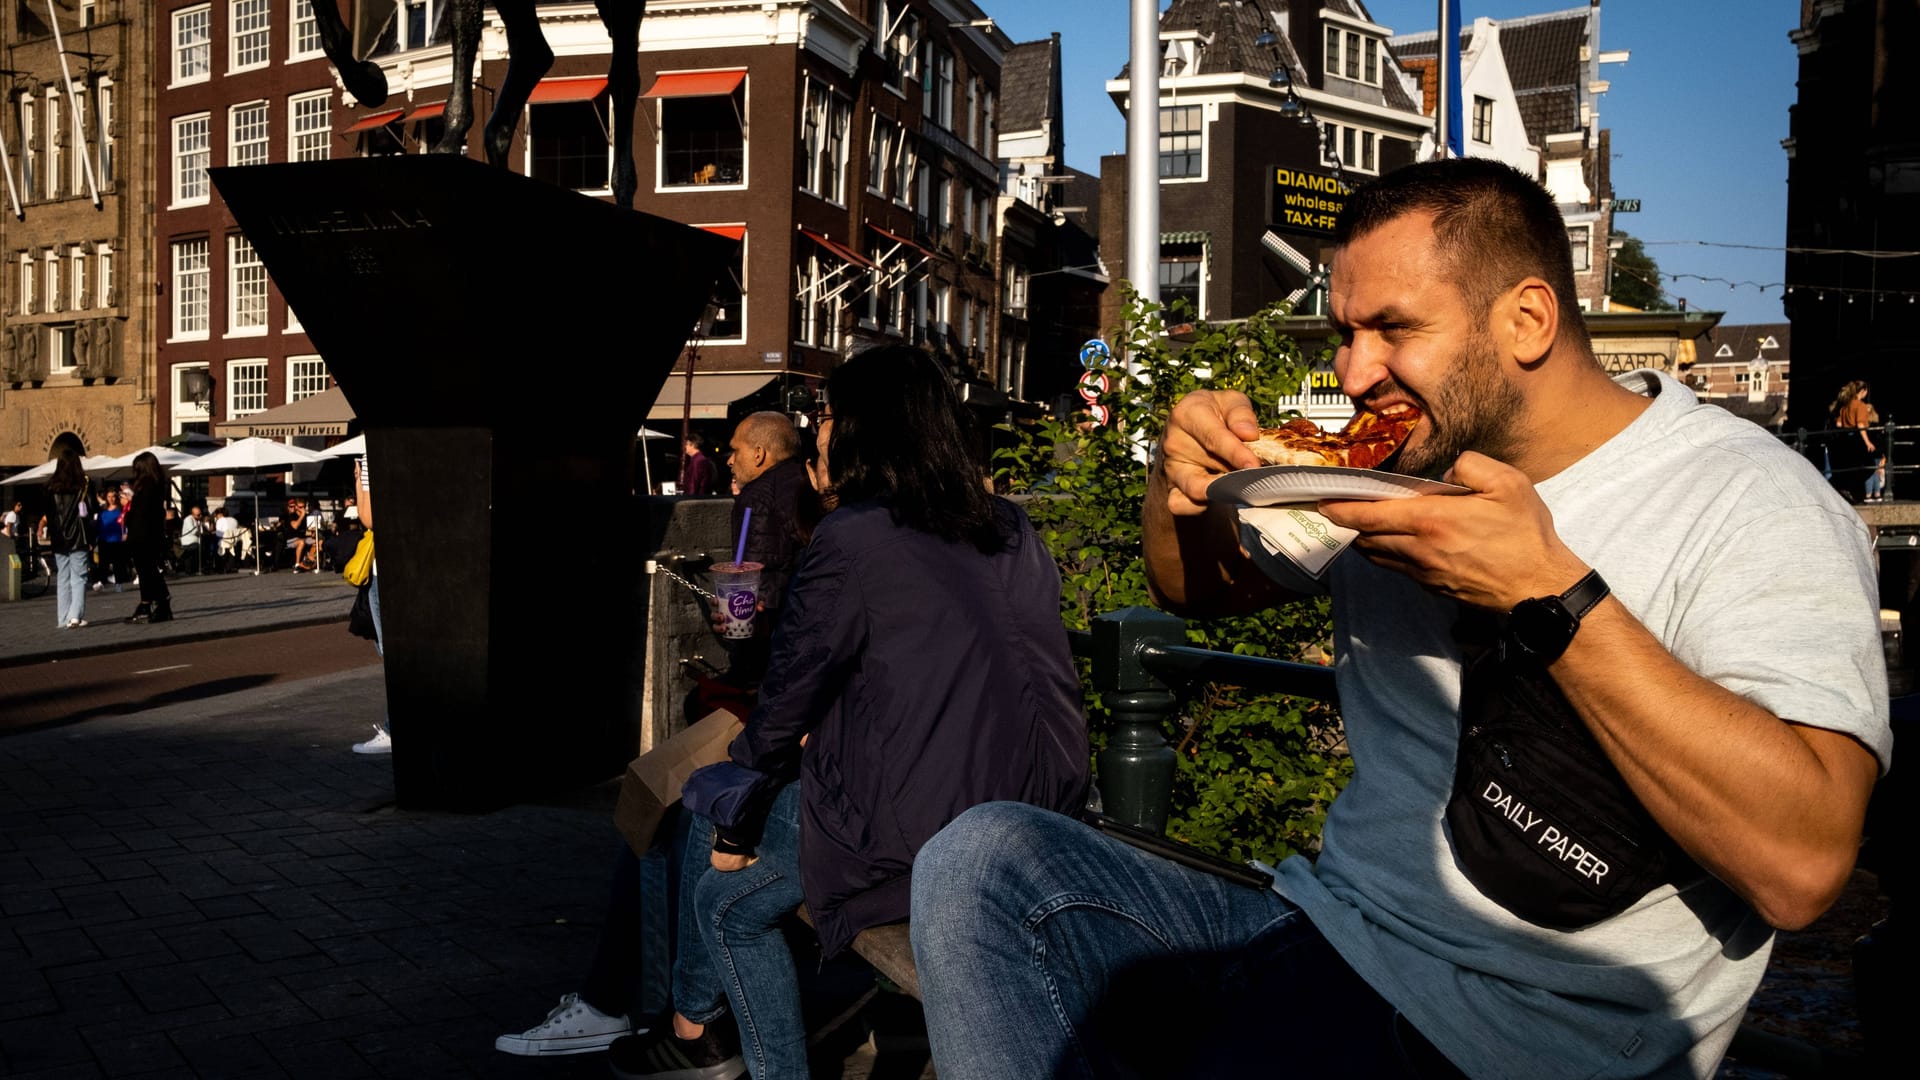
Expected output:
(1697, 116)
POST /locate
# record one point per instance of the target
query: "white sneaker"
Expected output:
(98, 585)
(381, 743)
(573, 1027)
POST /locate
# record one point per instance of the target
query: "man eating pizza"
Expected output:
(1615, 713)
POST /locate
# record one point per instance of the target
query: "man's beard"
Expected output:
(1474, 409)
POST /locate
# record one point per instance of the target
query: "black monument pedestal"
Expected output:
(501, 340)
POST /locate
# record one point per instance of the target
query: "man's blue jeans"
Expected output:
(70, 585)
(1048, 950)
(740, 914)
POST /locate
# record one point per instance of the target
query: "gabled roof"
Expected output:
(1740, 344)
(1026, 84)
(1543, 65)
(1233, 27)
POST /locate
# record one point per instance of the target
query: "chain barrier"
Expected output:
(695, 589)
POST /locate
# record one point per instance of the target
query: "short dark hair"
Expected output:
(1492, 224)
(898, 436)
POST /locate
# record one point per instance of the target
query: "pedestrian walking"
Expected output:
(382, 740)
(69, 537)
(696, 468)
(146, 528)
(1858, 462)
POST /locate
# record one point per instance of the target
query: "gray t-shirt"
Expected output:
(1748, 567)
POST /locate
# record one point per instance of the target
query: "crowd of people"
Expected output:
(1597, 761)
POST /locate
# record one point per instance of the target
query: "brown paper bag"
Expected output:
(653, 780)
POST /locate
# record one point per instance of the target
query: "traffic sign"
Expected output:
(1093, 384)
(1626, 206)
(1095, 352)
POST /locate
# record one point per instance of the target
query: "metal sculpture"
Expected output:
(529, 60)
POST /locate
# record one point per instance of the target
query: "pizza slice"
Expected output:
(1368, 439)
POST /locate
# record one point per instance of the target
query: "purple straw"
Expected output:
(740, 549)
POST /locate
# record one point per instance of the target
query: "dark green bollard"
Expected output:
(1136, 768)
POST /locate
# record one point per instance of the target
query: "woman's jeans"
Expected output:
(740, 915)
(70, 585)
(1046, 949)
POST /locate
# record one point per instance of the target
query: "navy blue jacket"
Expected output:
(932, 678)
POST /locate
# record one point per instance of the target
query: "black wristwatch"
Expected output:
(1540, 629)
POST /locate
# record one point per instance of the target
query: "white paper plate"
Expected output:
(1277, 485)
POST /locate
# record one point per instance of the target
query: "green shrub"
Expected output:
(1255, 772)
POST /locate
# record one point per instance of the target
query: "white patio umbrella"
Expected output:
(170, 459)
(353, 447)
(252, 456)
(646, 460)
(42, 473)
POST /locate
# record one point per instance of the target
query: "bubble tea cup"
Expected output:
(736, 588)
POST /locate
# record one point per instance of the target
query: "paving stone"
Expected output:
(134, 1054)
(241, 1055)
(168, 989)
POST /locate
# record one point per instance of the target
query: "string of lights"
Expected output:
(1862, 252)
(1293, 107)
(1849, 293)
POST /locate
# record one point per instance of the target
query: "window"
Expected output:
(730, 300)
(880, 150)
(54, 147)
(60, 348)
(965, 214)
(1352, 55)
(191, 153)
(246, 288)
(52, 261)
(78, 183)
(28, 163)
(27, 270)
(567, 145)
(941, 210)
(1354, 148)
(77, 275)
(88, 12)
(190, 284)
(103, 95)
(250, 32)
(902, 49)
(819, 301)
(193, 44)
(989, 146)
(1580, 238)
(973, 112)
(246, 387)
(936, 86)
(1181, 276)
(702, 140)
(1482, 119)
(903, 168)
(247, 134)
(1016, 298)
(305, 41)
(103, 275)
(189, 414)
(824, 139)
(1181, 140)
(306, 376)
(310, 126)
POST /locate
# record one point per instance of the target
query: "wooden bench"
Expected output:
(888, 949)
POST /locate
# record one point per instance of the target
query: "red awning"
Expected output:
(427, 112)
(374, 120)
(695, 84)
(731, 232)
(841, 250)
(898, 239)
(555, 91)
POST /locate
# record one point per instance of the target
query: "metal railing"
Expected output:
(1896, 443)
(1141, 670)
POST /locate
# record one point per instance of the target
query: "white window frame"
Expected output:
(28, 271)
(247, 290)
(249, 46)
(249, 142)
(60, 361)
(190, 184)
(1200, 109)
(103, 274)
(303, 32)
(880, 138)
(103, 116)
(1480, 120)
(183, 46)
(78, 182)
(1582, 248)
(191, 290)
(322, 134)
(29, 162)
(825, 127)
(50, 259)
(1349, 54)
(77, 278)
(55, 114)
(250, 368)
(1332, 146)
(306, 371)
(185, 410)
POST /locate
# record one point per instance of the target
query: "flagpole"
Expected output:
(1446, 113)
(1143, 152)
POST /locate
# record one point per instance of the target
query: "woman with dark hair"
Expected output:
(919, 668)
(147, 538)
(68, 526)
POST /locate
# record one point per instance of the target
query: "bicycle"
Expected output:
(36, 575)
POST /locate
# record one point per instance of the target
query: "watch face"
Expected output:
(1542, 627)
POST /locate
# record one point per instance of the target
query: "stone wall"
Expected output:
(681, 531)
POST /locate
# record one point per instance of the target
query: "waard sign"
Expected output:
(1306, 201)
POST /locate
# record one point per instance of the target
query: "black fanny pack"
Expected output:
(1542, 822)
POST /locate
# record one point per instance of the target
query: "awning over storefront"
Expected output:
(427, 112)
(711, 395)
(731, 232)
(898, 239)
(685, 84)
(374, 120)
(837, 248)
(556, 91)
(324, 413)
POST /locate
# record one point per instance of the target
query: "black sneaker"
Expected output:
(661, 1055)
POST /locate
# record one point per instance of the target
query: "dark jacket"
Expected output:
(696, 474)
(67, 526)
(782, 500)
(146, 520)
(932, 678)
